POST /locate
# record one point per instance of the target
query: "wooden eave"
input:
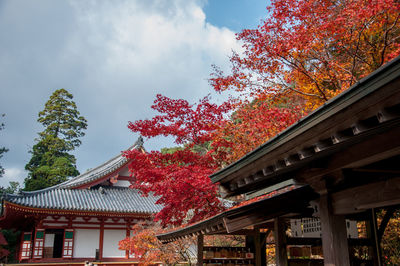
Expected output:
(12, 207)
(234, 220)
(369, 109)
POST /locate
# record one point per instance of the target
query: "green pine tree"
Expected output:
(51, 162)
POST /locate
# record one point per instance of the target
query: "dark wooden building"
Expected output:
(342, 162)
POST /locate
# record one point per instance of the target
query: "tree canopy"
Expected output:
(313, 49)
(51, 163)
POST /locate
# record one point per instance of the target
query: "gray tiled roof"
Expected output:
(95, 173)
(102, 170)
(65, 196)
(103, 199)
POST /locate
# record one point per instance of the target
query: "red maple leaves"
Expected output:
(179, 176)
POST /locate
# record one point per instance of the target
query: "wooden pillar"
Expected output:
(263, 243)
(200, 244)
(334, 235)
(127, 235)
(280, 242)
(101, 244)
(374, 237)
(257, 247)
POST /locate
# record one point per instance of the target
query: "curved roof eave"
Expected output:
(93, 174)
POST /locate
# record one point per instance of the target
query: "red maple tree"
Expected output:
(180, 177)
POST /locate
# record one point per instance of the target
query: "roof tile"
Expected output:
(107, 199)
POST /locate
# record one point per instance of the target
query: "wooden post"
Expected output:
(101, 244)
(127, 235)
(257, 247)
(334, 235)
(377, 246)
(263, 243)
(280, 242)
(200, 244)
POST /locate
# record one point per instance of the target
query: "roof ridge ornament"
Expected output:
(139, 142)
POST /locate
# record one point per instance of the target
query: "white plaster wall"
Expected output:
(86, 225)
(110, 243)
(49, 218)
(86, 241)
(122, 183)
(125, 171)
(55, 224)
(49, 240)
(120, 221)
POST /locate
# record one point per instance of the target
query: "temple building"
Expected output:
(82, 219)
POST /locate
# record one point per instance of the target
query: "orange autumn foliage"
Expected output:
(144, 246)
(314, 49)
(250, 126)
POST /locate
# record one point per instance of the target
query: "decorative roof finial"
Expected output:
(139, 142)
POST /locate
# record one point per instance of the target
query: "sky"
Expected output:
(114, 57)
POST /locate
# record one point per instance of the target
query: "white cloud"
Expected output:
(157, 45)
(113, 56)
(12, 174)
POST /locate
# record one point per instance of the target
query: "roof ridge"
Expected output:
(92, 172)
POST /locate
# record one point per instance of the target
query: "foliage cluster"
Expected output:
(51, 162)
(178, 175)
(390, 242)
(145, 246)
(11, 249)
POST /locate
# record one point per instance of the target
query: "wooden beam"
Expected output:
(316, 241)
(373, 195)
(200, 245)
(243, 232)
(379, 171)
(236, 224)
(334, 235)
(280, 242)
(295, 201)
(380, 146)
